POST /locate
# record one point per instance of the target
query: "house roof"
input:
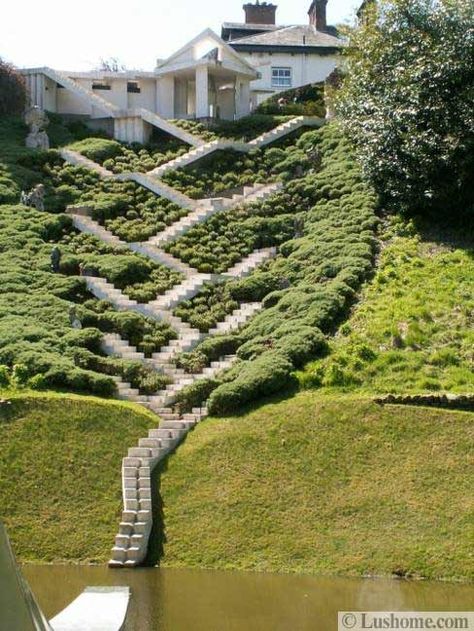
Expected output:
(245, 26)
(291, 36)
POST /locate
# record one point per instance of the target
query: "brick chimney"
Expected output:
(317, 14)
(257, 13)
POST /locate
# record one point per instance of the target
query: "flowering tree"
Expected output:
(408, 103)
(12, 90)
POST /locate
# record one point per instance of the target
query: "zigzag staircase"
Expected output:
(131, 542)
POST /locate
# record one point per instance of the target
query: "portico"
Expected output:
(205, 79)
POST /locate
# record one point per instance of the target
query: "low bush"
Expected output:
(97, 149)
(196, 394)
(267, 374)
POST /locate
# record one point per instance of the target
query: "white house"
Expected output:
(286, 57)
(211, 77)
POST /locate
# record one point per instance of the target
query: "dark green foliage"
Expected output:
(214, 302)
(194, 395)
(97, 149)
(35, 330)
(323, 222)
(307, 100)
(12, 90)
(139, 277)
(267, 374)
(408, 104)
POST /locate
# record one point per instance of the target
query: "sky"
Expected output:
(76, 35)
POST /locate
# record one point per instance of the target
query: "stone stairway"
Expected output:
(196, 154)
(237, 318)
(77, 159)
(159, 188)
(248, 264)
(284, 129)
(83, 93)
(154, 253)
(244, 147)
(103, 290)
(88, 225)
(208, 207)
(131, 542)
(153, 119)
(184, 291)
(113, 344)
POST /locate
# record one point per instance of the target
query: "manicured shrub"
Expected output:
(196, 394)
(266, 375)
(97, 149)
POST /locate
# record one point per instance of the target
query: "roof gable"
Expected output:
(206, 46)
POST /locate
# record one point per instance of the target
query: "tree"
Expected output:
(12, 90)
(408, 103)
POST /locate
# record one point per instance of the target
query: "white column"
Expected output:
(165, 97)
(202, 92)
(244, 103)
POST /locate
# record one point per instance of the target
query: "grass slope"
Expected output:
(60, 482)
(413, 330)
(325, 486)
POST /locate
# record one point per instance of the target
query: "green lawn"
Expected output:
(323, 485)
(413, 330)
(60, 478)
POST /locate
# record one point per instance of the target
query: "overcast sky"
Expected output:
(74, 36)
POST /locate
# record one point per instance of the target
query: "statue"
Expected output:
(35, 198)
(37, 120)
(55, 259)
(298, 227)
(74, 318)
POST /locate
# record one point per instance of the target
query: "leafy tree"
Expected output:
(12, 90)
(408, 103)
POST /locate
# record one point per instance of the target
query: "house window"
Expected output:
(133, 87)
(100, 86)
(281, 77)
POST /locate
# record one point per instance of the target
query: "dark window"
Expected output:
(134, 87)
(100, 86)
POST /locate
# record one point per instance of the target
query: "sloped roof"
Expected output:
(298, 35)
(247, 26)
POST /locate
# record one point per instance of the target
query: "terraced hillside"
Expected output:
(171, 289)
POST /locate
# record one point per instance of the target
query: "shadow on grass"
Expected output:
(448, 233)
(156, 543)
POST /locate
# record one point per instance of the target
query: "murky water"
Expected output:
(199, 600)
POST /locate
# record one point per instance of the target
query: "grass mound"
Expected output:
(325, 486)
(60, 480)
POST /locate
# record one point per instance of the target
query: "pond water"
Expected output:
(201, 600)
